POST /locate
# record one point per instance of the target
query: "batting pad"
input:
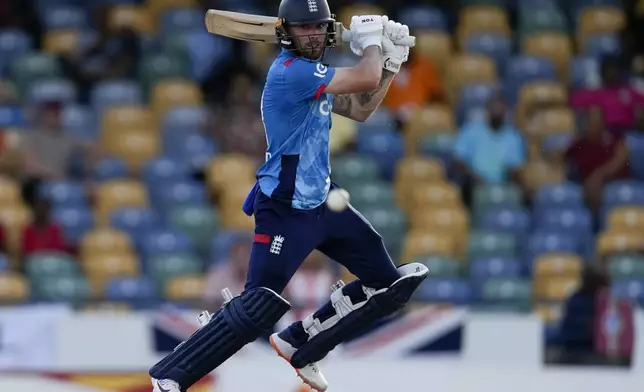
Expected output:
(241, 321)
(355, 314)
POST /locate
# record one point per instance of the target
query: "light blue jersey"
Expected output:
(297, 117)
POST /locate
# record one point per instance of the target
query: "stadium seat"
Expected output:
(134, 221)
(105, 240)
(626, 266)
(14, 218)
(67, 289)
(631, 289)
(441, 267)
(490, 267)
(162, 241)
(428, 120)
(453, 220)
(134, 146)
(120, 119)
(13, 43)
(464, 69)
(387, 145)
(421, 243)
(533, 95)
(191, 148)
(171, 93)
(508, 219)
(177, 194)
(80, 122)
(157, 67)
(111, 168)
(555, 288)
(51, 89)
(473, 96)
(9, 191)
(65, 17)
(229, 168)
(435, 46)
(584, 72)
(540, 243)
(412, 171)
(558, 264)
(609, 243)
(115, 93)
(138, 291)
(65, 42)
(75, 222)
(483, 243)
(478, 20)
(444, 290)
(164, 170)
(199, 222)
(599, 20)
(115, 194)
(371, 194)
(599, 46)
(626, 218)
(510, 293)
(550, 313)
(524, 69)
(537, 174)
(165, 266)
(54, 264)
(179, 20)
(100, 269)
(497, 47)
(436, 194)
(185, 118)
(14, 288)
(565, 195)
(185, 288)
(623, 192)
(132, 17)
(29, 68)
(487, 196)
(423, 17)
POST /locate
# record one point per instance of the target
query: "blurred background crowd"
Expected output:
(508, 154)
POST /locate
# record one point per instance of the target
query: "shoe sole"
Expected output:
(304, 379)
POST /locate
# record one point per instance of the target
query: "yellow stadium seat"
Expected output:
(344, 132)
(557, 47)
(555, 288)
(549, 312)
(61, 41)
(185, 288)
(346, 12)
(423, 243)
(101, 268)
(626, 218)
(231, 200)
(438, 194)
(112, 307)
(557, 264)
(135, 147)
(610, 242)
(130, 16)
(9, 192)
(414, 170)
(435, 46)
(230, 168)
(115, 194)
(14, 218)
(453, 220)
(551, 121)
(105, 240)
(466, 69)
(13, 288)
(599, 20)
(481, 19)
(539, 173)
(430, 119)
(169, 93)
(538, 95)
(119, 119)
(261, 55)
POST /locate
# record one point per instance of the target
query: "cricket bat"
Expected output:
(260, 28)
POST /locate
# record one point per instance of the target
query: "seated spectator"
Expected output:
(622, 104)
(237, 126)
(43, 234)
(49, 152)
(417, 84)
(230, 273)
(597, 156)
(491, 151)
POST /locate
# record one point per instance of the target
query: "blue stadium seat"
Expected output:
(221, 244)
(80, 121)
(564, 220)
(135, 221)
(474, 95)
(112, 93)
(496, 47)
(59, 90)
(191, 148)
(64, 193)
(109, 169)
(444, 290)
(548, 242)
(185, 118)
(423, 17)
(635, 142)
(64, 17)
(162, 241)
(557, 143)
(524, 69)
(176, 194)
(584, 72)
(568, 195)
(602, 45)
(164, 170)
(75, 221)
(181, 20)
(4, 263)
(11, 116)
(574, 7)
(136, 291)
(481, 269)
(632, 289)
(13, 42)
(386, 146)
(514, 220)
(624, 192)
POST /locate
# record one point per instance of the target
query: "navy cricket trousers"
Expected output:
(285, 236)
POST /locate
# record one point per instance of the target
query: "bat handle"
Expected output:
(407, 41)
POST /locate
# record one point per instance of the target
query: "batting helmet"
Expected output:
(302, 12)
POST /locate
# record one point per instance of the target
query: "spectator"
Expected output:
(622, 104)
(237, 125)
(417, 84)
(577, 325)
(489, 152)
(229, 273)
(43, 234)
(49, 152)
(597, 156)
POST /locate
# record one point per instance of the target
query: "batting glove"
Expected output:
(366, 30)
(394, 55)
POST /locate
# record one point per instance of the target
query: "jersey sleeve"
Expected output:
(307, 80)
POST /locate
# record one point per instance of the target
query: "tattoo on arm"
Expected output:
(343, 105)
(365, 98)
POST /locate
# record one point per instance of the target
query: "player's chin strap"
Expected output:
(356, 312)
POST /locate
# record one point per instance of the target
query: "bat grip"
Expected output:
(407, 41)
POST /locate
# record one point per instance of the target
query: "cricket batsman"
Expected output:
(288, 204)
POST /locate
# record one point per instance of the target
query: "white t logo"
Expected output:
(321, 70)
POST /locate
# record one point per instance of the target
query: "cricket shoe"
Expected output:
(310, 374)
(165, 386)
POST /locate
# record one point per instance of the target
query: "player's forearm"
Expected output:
(369, 101)
(371, 65)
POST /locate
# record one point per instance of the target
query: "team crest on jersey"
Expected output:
(276, 245)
